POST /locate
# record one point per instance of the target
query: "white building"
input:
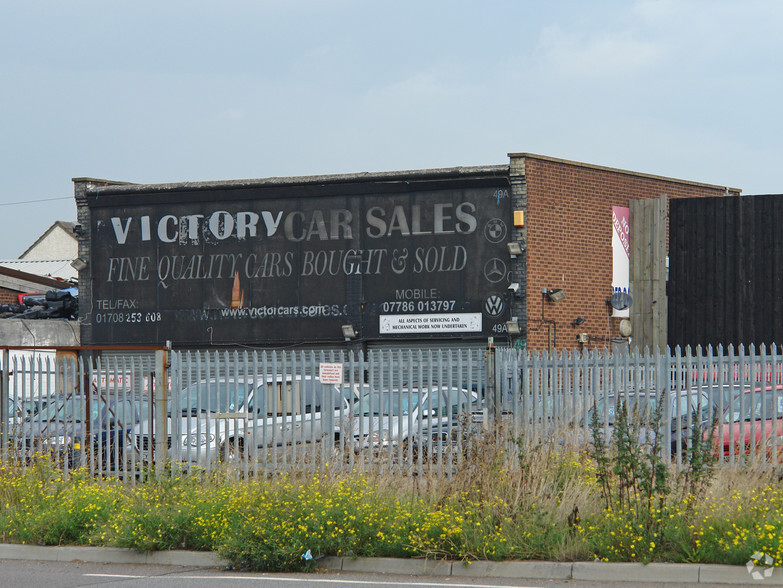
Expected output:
(51, 254)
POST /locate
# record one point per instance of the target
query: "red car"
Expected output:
(752, 424)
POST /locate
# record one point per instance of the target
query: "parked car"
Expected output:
(685, 406)
(61, 429)
(424, 421)
(33, 406)
(753, 421)
(219, 419)
(55, 428)
(15, 413)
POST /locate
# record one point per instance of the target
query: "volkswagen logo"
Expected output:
(494, 305)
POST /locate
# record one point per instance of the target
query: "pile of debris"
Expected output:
(54, 304)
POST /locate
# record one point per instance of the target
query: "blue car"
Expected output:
(63, 430)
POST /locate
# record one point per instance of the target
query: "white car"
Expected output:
(213, 420)
(422, 421)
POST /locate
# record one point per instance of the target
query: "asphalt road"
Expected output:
(37, 574)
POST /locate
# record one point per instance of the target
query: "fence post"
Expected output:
(492, 403)
(160, 400)
(5, 434)
(665, 381)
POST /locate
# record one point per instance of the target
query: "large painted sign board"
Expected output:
(284, 264)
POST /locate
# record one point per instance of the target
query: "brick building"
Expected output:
(568, 236)
(555, 217)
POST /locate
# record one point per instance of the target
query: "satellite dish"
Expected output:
(620, 300)
(625, 328)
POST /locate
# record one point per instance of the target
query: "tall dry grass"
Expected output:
(506, 497)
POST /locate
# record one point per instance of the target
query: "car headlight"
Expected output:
(382, 437)
(59, 440)
(775, 441)
(196, 439)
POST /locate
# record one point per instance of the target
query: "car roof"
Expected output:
(252, 379)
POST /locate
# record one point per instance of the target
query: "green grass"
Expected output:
(544, 503)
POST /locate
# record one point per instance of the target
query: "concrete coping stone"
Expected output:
(389, 565)
(110, 555)
(539, 570)
(721, 574)
(637, 572)
(660, 573)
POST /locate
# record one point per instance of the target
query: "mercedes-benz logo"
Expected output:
(495, 230)
(495, 270)
(494, 305)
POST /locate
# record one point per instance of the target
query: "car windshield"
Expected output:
(391, 403)
(126, 411)
(643, 403)
(65, 410)
(30, 407)
(213, 397)
(757, 405)
(294, 396)
(73, 410)
(647, 403)
(353, 393)
(436, 402)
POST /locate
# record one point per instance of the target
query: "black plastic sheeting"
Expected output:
(54, 304)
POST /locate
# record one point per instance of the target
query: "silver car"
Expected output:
(222, 419)
(419, 421)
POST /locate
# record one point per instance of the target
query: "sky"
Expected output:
(174, 90)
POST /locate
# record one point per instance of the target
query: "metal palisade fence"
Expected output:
(271, 411)
(124, 415)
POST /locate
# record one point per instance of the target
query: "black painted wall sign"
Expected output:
(292, 264)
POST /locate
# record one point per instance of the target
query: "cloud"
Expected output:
(232, 114)
(422, 85)
(598, 55)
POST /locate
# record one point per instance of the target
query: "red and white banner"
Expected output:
(621, 253)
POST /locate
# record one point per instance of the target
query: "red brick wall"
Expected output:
(569, 244)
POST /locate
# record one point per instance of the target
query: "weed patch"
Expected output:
(511, 498)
